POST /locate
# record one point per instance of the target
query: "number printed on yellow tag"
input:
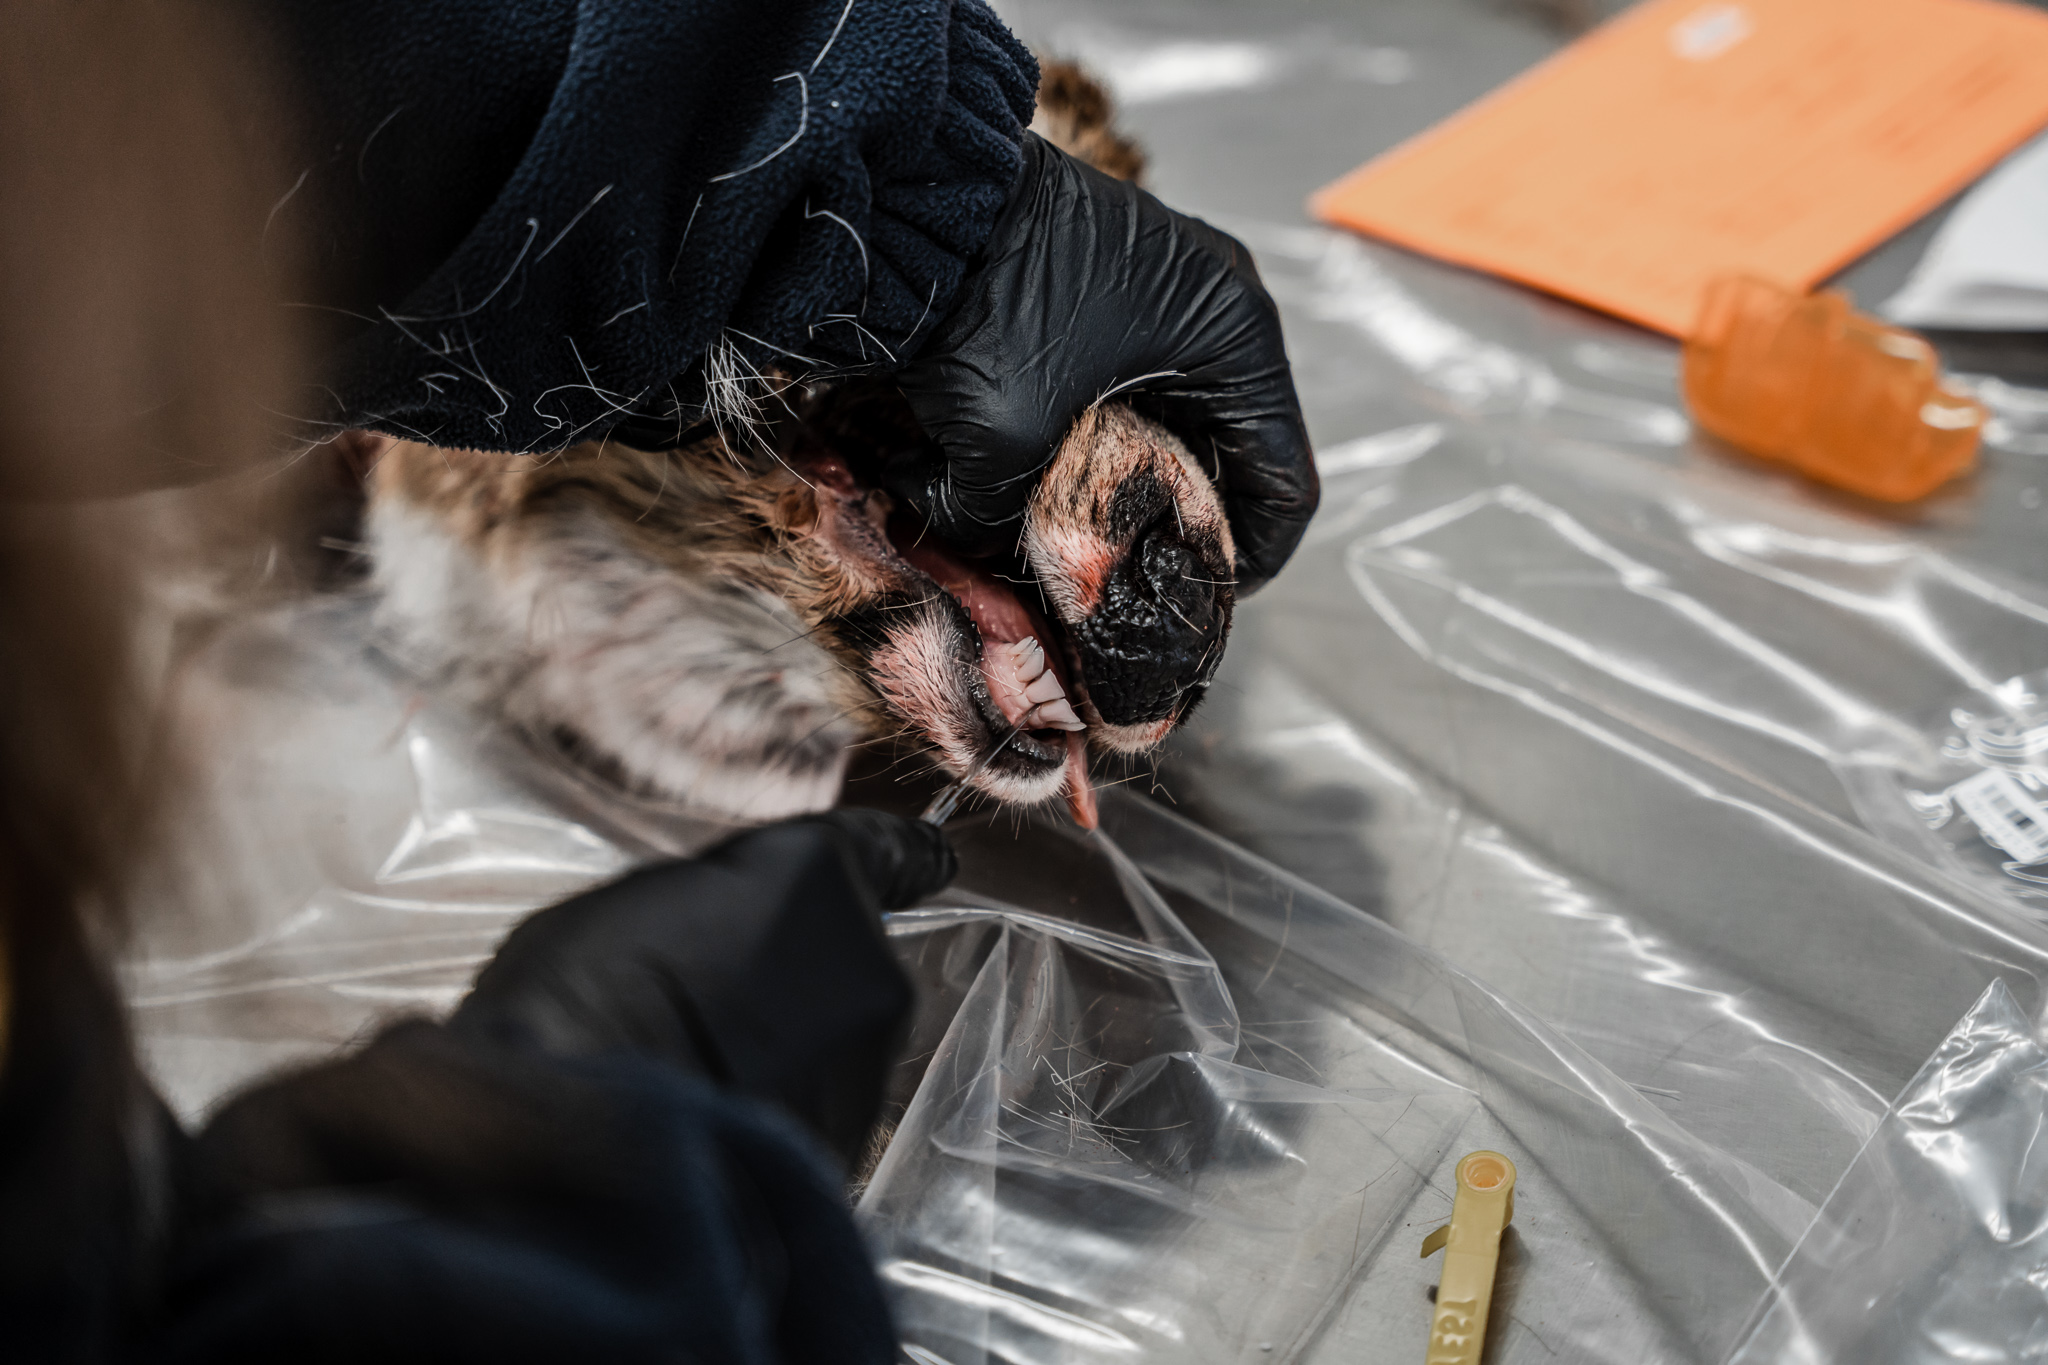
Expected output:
(1484, 1205)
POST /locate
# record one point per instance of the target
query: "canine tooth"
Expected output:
(1045, 687)
(1054, 715)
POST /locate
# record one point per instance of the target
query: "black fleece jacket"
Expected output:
(531, 220)
(628, 1145)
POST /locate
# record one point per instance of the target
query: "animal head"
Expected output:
(1100, 630)
(638, 604)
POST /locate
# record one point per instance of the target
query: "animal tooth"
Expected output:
(1054, 715)
(1028, 659)
(1045, 687)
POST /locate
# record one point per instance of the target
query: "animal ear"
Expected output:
(795, 510)
(1076, 115)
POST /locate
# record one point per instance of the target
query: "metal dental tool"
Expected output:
(948, 800)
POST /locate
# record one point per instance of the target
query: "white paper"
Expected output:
(1987, 268)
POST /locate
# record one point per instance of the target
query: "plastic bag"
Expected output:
(350, 850)
(1934, 1247)
(1974, 798)
(1207, 1112)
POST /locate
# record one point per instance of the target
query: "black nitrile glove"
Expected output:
(1087, 285)
(759, 964)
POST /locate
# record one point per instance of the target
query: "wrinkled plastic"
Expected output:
(1167, 1101)
(1565, 695)
(1555, 704)
(1973, 795)
(1103, 1161)
(1562, 726)
(1930, 1249)
(1127, 1146)
(349, 850)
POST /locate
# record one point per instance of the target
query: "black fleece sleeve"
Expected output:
(531, 220)
(612, 1151)
(434, 1200)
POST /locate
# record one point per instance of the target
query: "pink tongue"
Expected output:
(1080, 791)
(999, 614)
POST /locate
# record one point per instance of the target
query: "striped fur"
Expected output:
(720, 623)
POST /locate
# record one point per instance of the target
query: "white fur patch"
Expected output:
(918, 673)
(702, 689)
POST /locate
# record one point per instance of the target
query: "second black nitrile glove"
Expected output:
(1087, 285)
(759, 964)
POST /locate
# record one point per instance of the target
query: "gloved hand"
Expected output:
(1088, 285)
(759, 964)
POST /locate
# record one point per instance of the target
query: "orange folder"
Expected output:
(1689, 139)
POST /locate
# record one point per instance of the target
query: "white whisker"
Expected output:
(557, 241)
(803, 121)
(835, 36)
(532, 231)
(1115, 389)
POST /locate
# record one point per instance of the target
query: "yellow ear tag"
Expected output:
(1481, 1212)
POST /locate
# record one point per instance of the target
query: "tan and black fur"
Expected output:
(721, 623)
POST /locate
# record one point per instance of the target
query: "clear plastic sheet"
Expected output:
(1180, 1102)
(1553, 801)
(350, 850)
(1594, 707)
(1105, 1162)
(1571, 696)
(1611, 917)
(1167, 1101)
(1931, 1248)
(1207, 1112)
(1537, 655)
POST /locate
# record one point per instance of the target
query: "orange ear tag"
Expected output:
(1806, 380)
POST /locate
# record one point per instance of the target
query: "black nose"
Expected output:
(1157, 634)
(1178, 579)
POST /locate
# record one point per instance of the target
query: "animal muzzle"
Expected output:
(1151, 645)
